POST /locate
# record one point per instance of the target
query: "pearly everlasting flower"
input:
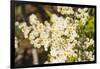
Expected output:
(65, 10)
(16, 23)
(21, 25)
(60, 60)
(54, 18)
(31, 36)
(85, 9)
(32, 42)
(33, 19)
(26, 31)
(59, 23)
(53, 52)
(82, 14)
(46, 62)
(80, 10)
(91, 41)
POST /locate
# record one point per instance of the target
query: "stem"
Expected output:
(35, 56)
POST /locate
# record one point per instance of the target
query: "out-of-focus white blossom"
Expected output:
(21, 25)
(82, 14)
(65, 10)
(26, 31)
(59, 23)
(31, 36)
(85, 9)
(16, 23)
(91, 42)
(32, 19)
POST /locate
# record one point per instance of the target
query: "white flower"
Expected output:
(79, 59)
(54, 18)
(36, 33)
(87, 39)
(65, 10)
(92, 58)
(52, 60)
(16, 23)
(68, 19)
(59, 60)
(31, 36)
(21, 25)
(91, 41)
(46, 45)
(37, 45)
(32, 41)
(26, 31)
(78, 15)
(80, 10)
(53, 52)
(86, 14)
(66, 32)
(85, 9)
(46, 62)
(76, 21)
(32, 19)
(83, 21)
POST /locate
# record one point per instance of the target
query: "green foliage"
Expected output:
(18, 33)
(48, 13)
(71, 58)
(89, 28)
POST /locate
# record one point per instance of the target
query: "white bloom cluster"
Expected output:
(89, 55)
(87, 52)
(61, 47)
(60, 35)
(24, 28)
(41, 31)
(59, 23)
(82, 14)
(88, 42)
(37, 33)
(65, 10)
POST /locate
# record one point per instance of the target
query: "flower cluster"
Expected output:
(37, 33)
(63, 39)
(86, 53)
(82, 14)
(60, 34)
(65, 10)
